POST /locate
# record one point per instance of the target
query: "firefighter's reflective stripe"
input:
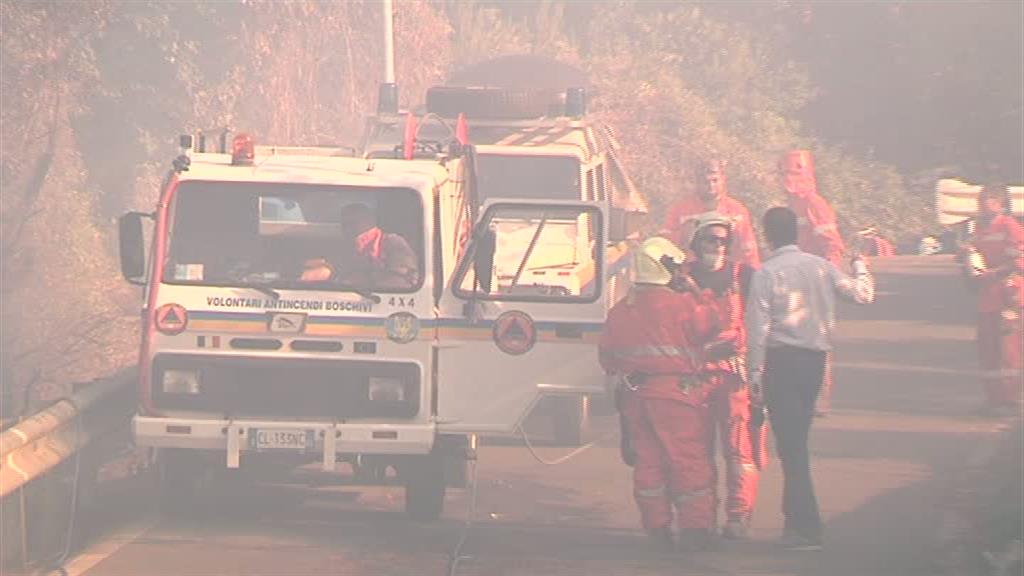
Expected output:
(1002, 373)
(825, 228)
(656, 492)
(653, 350)
(685, 497)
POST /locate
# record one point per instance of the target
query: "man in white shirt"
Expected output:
(790, 316)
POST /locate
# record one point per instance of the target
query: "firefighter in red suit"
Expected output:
(871, 243)
(1012, 316)
(817, 230)
(712, 196)
(999, 240)
(817, 233)
(653, 341)
(743, 445)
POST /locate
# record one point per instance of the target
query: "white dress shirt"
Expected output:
(792, 302)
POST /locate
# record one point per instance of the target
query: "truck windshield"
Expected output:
(542, 253)
(528, 177)
(299, 236)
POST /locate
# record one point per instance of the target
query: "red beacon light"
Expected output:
(242, 150)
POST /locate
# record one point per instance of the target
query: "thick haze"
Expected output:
(889, 96)
(930, 85)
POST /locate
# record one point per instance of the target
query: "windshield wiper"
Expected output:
(365, 294)
(330, 287)
(265, 290)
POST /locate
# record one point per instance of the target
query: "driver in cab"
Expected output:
(371, 257)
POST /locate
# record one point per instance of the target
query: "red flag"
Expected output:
(409, 141)
(462, 130)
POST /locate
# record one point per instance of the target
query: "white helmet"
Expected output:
(657, 255)
(703, 221)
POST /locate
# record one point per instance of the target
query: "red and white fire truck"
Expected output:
(246, 356)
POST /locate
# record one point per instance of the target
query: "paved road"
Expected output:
(885, 460)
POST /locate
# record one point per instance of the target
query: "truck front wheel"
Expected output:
(180, 472)
(571, 419)
(425, 487)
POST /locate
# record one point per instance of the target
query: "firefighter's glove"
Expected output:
(683, 282)
(626, 450)
(758, 414)
(719, 350)
(858, 265)
(756, 389)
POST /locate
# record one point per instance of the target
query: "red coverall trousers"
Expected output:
(672, 465)
(1001, 351)
(730, 414)
(1001, 244)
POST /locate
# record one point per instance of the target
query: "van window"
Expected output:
(542, 253)
(528, 177)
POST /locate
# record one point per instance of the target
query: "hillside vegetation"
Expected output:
(95, 94)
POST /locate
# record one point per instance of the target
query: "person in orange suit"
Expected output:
(712, 195)
(653, 342)
(741, 438)
(998, 250)
(817, 233)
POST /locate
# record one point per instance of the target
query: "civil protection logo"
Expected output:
(402, 327)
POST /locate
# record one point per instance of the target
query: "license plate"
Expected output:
(281, 439)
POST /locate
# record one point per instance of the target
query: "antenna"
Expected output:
(389, 43)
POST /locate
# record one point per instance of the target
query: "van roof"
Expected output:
(317, 166)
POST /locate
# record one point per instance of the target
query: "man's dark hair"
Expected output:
(779, 226)
(357, 216)
(997, 190)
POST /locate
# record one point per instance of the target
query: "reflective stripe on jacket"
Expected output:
(660, 333)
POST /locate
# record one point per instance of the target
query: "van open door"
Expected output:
(521, 315)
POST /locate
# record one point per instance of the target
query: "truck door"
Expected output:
(521, 315)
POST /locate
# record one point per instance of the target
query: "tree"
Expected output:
(60, 319)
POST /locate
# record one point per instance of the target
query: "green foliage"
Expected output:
(59, 318)
(680, 84)
(96, 93)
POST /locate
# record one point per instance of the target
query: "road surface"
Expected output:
(904, 423)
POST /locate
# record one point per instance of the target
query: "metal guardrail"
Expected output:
(35, 445)
(33, 448)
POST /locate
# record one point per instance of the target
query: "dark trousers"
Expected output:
(792, 380)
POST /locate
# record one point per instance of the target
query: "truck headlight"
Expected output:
(181, 382)
(386, 390)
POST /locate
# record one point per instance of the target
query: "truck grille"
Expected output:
(283, 388)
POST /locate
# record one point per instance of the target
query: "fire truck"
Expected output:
(302, 305)
(530, 144)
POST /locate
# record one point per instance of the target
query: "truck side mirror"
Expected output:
(131, 247)
(483, 258)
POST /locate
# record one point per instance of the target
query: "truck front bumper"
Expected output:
(328, 439)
